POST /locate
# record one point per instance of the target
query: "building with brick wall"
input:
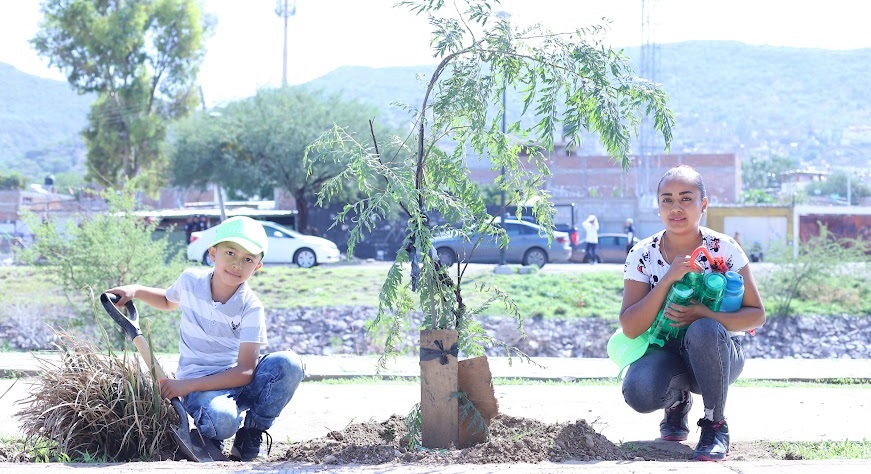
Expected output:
(598, 185)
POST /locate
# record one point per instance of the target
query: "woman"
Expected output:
(709, 357)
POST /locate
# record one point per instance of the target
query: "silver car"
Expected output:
(527, 245)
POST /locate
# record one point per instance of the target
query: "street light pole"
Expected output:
(285, 9)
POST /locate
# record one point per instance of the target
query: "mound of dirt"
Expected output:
(511, 440)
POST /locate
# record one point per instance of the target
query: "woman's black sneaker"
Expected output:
(675, 425)
(713, 442)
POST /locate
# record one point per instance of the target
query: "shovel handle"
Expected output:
(150, 361)
(131, 327)
(130, 323)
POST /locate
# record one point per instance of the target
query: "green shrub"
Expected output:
(98, 251)
(826, 272)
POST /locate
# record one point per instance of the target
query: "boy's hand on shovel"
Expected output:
(170, 388)
(125, 293)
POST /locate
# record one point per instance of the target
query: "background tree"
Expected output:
(12, 181)
(257, 144)
(140, 57)
(835, 186)
(764, 173)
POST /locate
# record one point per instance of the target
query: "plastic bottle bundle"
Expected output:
(662, 330)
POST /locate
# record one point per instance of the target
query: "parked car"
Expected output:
(611, 249)
(285, 246)
(527, 245)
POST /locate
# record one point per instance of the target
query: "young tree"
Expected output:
(140, 58)
(570, 83)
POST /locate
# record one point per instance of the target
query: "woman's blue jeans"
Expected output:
(705, 361)
(217, 414)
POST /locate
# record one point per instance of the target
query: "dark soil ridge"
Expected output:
(512, 440)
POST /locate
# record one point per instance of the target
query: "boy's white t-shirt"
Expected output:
(646, 264)
(210, 332)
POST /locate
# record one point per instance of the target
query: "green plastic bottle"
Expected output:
(662, 330)
(712, 293)
(696, 281)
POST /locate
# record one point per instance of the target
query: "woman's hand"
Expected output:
(681, 315)
(681, 265)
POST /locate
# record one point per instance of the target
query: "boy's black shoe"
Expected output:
(674, 425)
(714, 441)
(246, 445)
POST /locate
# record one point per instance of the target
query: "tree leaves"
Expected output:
(141, 58)
(571, 82)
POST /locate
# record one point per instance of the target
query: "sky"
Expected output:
(246, 49)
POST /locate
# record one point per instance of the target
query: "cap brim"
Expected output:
(249, 246)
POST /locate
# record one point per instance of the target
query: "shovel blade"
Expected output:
(192, 447)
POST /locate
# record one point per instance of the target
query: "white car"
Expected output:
(285, 246)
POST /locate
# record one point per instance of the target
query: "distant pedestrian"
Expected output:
(737, 238)
(630, 234)
(202, 223)
(591, 225)
(189, 227)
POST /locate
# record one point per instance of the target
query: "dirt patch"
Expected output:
(512, 440)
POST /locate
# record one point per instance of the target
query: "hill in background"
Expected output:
(40, 124)
(727, 97)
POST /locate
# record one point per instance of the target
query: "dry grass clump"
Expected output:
(97, 406)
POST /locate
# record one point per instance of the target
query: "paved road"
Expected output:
(808, 413)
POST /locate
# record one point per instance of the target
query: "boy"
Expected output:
(223, 327)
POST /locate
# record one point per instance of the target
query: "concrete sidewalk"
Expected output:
(834, 412)
(540, 368)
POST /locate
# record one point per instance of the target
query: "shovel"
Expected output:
(189, 441)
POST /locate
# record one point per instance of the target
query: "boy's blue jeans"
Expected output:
(217, 414)
(705, 361)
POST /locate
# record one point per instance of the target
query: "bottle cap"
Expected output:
(681, 291)
(734, 280)
(715, 282)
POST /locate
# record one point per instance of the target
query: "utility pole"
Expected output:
(646, 132)
(285, 9)
(219, 191)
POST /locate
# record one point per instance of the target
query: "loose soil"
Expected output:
(512, 440)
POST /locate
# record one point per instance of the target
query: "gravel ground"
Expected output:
(342, 330)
